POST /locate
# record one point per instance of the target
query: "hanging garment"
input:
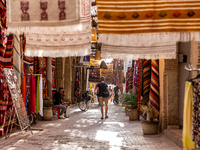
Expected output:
(146, 80)
(135, 72)
(187, 117)
(41, 97)
(195, 115)
(139, 84)
(32, 96)
(53, 76)
(38, 95)
(24, 90)
(154, 87)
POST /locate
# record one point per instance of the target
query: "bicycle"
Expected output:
(86, 101)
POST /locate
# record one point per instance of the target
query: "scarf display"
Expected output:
(41, 97)
(32, 105)
(154, 86)
(139, 84)
(146, 79)
(129, 81)
(77, 84)
(53, 60)
(38, 95)
(57, 28)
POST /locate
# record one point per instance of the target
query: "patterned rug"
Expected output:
(129, 79)
(146, 79)
(77, 85)
(53, 61)
(154, 92)
(46, 38)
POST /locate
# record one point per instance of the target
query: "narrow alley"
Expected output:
(86, 131)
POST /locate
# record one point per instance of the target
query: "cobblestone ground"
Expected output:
(85, 130)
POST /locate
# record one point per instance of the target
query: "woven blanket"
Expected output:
(53, 60)
(60, 41)
(154, 88)
(158, 51)
(6, 60)
(146, 79)
(135, 72)
(145, 16)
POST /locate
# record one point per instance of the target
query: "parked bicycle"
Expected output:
(85, 102)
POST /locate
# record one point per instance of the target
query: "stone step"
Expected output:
(175, 135)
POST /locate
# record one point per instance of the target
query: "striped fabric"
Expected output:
(53, 60)
(129, 81)
(146, 79)
(146, 16)
(139, 84)
(6, 60)
(154, 91)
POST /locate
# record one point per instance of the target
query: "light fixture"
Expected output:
(103, 65)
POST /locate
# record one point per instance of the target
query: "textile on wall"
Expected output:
(135, 72)
(94, 75)
(144, 26)
(46, 38)
(154, 86)
(32, 105)
(139, 84)
(188, 117)
(146, 80)
(53, 76)
(129, 81)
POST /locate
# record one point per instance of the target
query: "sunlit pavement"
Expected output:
(86, 131)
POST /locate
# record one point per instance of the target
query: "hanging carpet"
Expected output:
(57, 28)
(129, 81)
(53, 61)
(154, 86)
(146, 29)
(146, 79)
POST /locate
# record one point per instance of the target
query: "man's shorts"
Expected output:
(101, 99)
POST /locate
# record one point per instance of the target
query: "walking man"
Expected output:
(103, 93)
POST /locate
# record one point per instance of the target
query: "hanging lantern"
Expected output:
(94, 35)
(103, 65)
(98, 55)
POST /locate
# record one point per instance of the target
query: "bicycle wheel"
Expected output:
(82, 105)
(88, 104)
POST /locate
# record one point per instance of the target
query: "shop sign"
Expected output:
(78, 65)
(85, 60)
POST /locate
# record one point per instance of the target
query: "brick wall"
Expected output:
(168, 74)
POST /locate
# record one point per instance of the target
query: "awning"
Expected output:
(53, 28)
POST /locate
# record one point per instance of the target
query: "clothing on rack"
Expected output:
(195, 115)
(187, 116)
(32, 96)
(24, 90)
(41, 96)
(38, 95)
